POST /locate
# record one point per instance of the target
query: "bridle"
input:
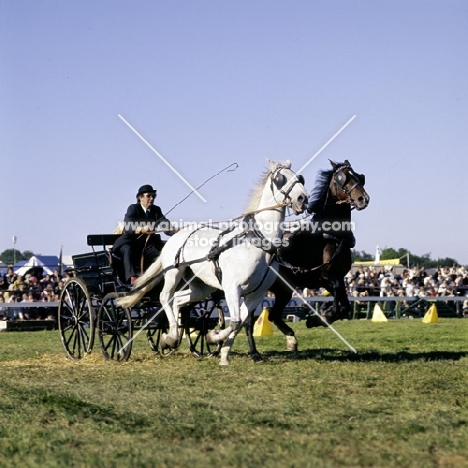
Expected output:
(341, 180)
(279, 181)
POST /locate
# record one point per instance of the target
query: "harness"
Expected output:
(217, 249)
(279, 180)
(339, 182)
(296, 270)
(252, 233)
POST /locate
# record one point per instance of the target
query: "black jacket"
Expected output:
(136, 217)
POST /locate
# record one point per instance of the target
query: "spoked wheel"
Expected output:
(155, 329)
(114, 327)
(200, 319)
(76, 319)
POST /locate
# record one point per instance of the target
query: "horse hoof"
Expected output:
(162, 342)
(224, 356)
(291, 343)
(314, 321)
(334, 316)
(168, 341)
(224, 361)
(211, 336)
(257, 357)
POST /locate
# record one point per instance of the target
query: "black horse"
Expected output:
(319, 254)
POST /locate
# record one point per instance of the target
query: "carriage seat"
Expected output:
(106, 241)
(102, 240)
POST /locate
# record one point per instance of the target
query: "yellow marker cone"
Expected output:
(263, 326)
(431, 315)
(378, 315)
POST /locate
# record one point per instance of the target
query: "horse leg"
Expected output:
(240, 311)
(249, 326)
(171, 280)
(236, 313)
(233, 301)
(251, 305)
(226, 349)
(341, 263)
(195, 292)
(329, 251)
(282, 297)
(341, 305)
(343, 301)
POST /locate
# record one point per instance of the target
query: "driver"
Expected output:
(138, 240)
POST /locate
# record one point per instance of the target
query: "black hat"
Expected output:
(145, 189)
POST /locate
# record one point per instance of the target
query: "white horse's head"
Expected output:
(287, 187)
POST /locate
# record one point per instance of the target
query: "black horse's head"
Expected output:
(347, 186)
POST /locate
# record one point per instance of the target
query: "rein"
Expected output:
(267, 208)
(297, 270)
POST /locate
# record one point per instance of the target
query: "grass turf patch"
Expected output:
(400, 401)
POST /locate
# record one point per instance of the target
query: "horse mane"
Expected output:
(319, 194)
(257, 191)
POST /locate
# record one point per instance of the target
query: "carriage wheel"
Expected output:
(76, 319)
(200, 319)
(114, 328)
(155, 330)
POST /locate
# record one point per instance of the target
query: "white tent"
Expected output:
(67, 262)
(48, 262)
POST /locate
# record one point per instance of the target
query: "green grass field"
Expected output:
(402, 401)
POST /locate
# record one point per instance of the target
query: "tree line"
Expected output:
(9, 256)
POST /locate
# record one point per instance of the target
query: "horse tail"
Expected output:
(143, 284)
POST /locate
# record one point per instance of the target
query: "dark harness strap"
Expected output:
(295, 269)
(257, 236)
(177, 261)
(217, 249)
(252, 232)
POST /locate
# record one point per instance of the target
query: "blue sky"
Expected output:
(209, 83)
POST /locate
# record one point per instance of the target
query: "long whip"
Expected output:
(227, 168)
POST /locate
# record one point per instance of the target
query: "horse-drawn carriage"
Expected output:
(243, 261)
(88, 307)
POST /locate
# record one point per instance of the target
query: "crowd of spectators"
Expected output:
(33, 287)
(361, 281)
(413, 282)
(410, 283)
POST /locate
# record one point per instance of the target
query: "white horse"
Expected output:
(236, 260)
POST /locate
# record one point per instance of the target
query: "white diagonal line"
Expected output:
(161, 157)
(326, 144)
(315, 312)
(157, 314)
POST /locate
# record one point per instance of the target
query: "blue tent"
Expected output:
(3, 268)
(19, 265)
